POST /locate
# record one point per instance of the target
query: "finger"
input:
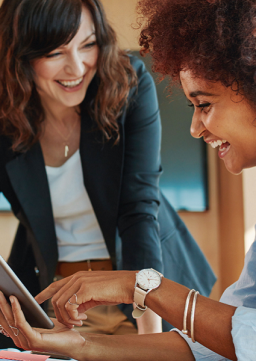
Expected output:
(51, 290)
(56, 289)
(3, 325)
(30, 336)
(65, 293)
(8, 322)
(82, 284)
(75, 307)
(67, 314)
(73, 312)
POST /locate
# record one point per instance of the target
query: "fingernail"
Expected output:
(11, 299)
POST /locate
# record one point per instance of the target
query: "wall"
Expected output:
(249, 190)
(204, 226)
(8, 226)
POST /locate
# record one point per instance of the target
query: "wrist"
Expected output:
(147, 280)
(88, 350)
(129, 286)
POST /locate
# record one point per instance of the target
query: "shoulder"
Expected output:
(137, 64)
(145, 88)
(140, 69)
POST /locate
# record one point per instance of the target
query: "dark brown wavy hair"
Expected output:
(30, 29)
(215, 39)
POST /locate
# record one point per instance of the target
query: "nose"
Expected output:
(197, 127)
(75, 65)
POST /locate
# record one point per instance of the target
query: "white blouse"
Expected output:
(79, 236)
(242, 294)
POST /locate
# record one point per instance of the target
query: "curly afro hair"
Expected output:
(215, 39)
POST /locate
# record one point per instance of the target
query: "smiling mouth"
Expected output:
(219, 143)
(70, 84)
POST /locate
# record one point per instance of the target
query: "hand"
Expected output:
(60, 339)
(86, 290)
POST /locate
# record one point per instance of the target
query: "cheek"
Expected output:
(213, 122)
(93, 60)
(45, 71)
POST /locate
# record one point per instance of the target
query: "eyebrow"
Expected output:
(88, 37)
(199, 92)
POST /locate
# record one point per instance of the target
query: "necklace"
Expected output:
(66, 139)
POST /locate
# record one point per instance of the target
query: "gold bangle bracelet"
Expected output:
(185, 331)
(192, 320)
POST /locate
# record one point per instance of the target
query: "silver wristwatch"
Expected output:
(146, 280)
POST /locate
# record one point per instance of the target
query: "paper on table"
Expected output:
(21, 356)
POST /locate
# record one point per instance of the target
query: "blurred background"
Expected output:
(217, 207)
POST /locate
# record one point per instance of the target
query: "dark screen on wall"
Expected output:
(184, 159)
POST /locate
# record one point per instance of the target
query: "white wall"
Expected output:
(249, 190)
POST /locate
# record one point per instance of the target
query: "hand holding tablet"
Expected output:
(11, 285)
(60, 340)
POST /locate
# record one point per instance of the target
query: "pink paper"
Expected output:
(22, 356)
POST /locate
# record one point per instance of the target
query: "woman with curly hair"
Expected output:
(209, 47)
(80, 156)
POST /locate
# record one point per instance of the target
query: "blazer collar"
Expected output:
(102, 170)
(29, 181)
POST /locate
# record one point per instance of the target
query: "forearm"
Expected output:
(149, 323)
(212, 319)
(161, 347)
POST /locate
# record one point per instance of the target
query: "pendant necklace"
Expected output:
(66, 139)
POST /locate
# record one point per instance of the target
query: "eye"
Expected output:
(203, 106)
(53, 55)
(190, 104)
(89, 45)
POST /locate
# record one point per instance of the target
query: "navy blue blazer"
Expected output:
(139, 226)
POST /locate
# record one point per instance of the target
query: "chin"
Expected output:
(72, 104)
(234, 168)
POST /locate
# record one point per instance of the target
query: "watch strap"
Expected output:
(139, 296)
(137, 313)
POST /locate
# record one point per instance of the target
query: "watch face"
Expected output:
(148, 279)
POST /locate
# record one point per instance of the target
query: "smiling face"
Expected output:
(63, 76)
(223, 118)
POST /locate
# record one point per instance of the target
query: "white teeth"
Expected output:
(217, 143)
(71, 84)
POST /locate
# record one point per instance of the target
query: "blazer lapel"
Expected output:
(102, 170)
(29, 180)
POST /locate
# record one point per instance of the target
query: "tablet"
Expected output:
(11, 285)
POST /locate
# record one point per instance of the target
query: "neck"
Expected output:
(60, 114)
(64, 119)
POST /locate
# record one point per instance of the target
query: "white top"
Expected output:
(242, 294)
(79, 236)
(243, 334)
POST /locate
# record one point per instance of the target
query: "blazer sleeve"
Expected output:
(139, 199)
